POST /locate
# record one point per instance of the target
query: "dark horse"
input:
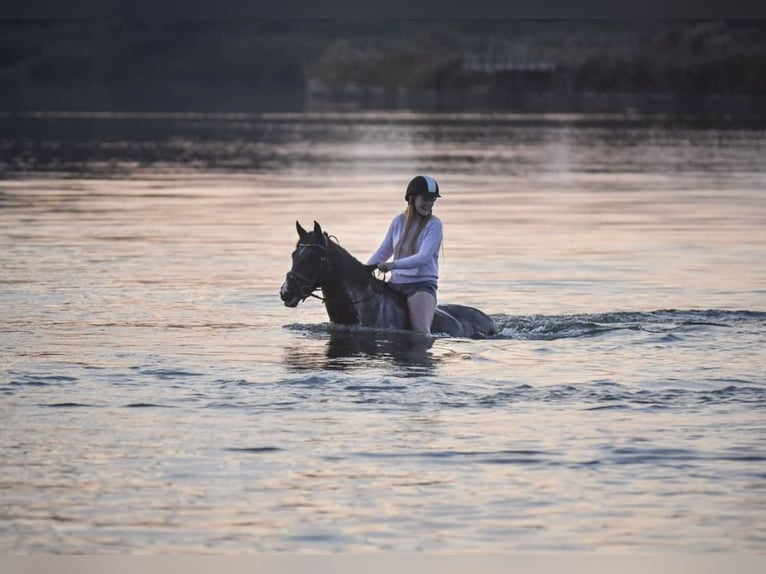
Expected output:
(354, 296)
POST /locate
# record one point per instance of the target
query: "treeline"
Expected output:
(234, 65)
(624, 56)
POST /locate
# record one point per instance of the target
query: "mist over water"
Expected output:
(158, 397)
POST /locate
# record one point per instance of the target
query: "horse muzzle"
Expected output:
(289, 298)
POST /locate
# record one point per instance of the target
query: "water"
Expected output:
(156, 396)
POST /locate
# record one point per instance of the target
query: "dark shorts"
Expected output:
(408, 289)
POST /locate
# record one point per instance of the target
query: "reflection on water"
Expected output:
(344, 349)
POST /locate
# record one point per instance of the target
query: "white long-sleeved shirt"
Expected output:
(423, 265)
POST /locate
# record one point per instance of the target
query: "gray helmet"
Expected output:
(422, 185)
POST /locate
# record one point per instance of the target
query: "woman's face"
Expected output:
(423, 204)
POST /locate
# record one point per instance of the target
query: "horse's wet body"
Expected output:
(353, 296)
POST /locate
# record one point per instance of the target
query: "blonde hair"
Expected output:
(413, 227)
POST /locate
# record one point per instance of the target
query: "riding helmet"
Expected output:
(422, 185)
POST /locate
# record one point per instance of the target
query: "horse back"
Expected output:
(462, 321)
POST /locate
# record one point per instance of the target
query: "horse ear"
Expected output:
(319, 233)
(302, 233)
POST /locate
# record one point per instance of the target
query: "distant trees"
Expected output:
(701, 57)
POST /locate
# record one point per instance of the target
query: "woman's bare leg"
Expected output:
(422, 306)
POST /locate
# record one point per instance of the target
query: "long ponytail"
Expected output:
(413, 227)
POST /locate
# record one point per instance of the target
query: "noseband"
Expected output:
(311, 285)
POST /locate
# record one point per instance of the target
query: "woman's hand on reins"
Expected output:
(386, 266)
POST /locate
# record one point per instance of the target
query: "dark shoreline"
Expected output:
(194, 97)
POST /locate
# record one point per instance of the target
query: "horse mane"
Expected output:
(355, 270)
(352, 267)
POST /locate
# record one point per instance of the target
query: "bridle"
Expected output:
(306, 290)
(324, 265)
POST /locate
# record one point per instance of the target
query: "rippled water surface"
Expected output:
(156, 396)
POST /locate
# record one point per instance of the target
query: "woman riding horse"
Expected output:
(414, 238)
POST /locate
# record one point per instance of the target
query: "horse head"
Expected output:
(309, 265)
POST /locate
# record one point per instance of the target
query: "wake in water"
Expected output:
(550, 327)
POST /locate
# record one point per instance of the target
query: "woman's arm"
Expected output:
(429, 246)
(386, 248)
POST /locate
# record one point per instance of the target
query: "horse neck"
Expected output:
(346, 281)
